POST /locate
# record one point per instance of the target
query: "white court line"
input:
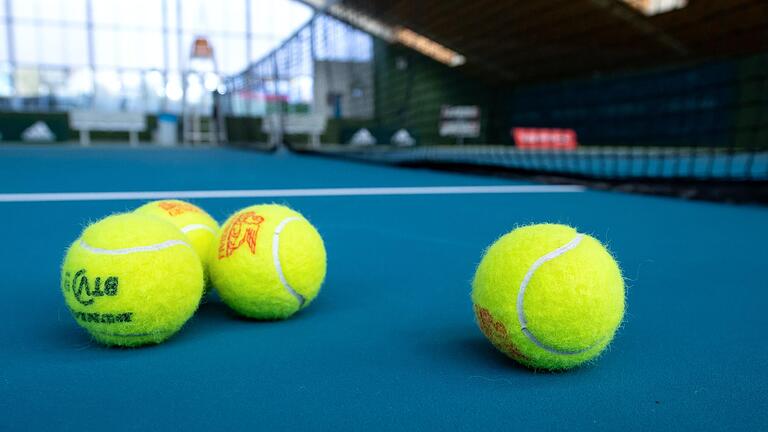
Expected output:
(276, 193)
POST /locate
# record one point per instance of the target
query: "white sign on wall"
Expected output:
(460, 121)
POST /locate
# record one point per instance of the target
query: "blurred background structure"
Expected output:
(659, 94)
(116, 55)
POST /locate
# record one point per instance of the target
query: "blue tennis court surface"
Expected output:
(391, 342)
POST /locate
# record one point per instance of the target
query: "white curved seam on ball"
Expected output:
(125, 251)
(276, 259)
(521, 294)
(195, 227)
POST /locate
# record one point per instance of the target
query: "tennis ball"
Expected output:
(193, 221)
(548, 296)
(131, 280)
(269, 262)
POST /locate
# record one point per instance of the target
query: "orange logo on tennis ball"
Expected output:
(496, 332)
(177, 208)
(242, 230)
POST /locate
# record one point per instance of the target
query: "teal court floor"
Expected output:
(391, 342)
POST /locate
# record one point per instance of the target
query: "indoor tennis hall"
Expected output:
(375, 215)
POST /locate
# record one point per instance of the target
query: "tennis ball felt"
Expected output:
(548, 296)
(193, 221)
(268, 263)
(131, 280)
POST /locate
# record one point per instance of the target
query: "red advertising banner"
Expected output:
(544, 138)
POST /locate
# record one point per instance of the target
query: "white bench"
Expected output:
(87, 121)
(276, 126)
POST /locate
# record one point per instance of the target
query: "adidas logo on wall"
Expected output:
(39, 132)
(403, 139)
(362, 137)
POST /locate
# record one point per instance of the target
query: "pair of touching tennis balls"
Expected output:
(135, 278)
(545, 295)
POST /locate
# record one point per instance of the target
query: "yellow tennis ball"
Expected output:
(548, 296)
(193, 221)
(131, 280)
(269, 262)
